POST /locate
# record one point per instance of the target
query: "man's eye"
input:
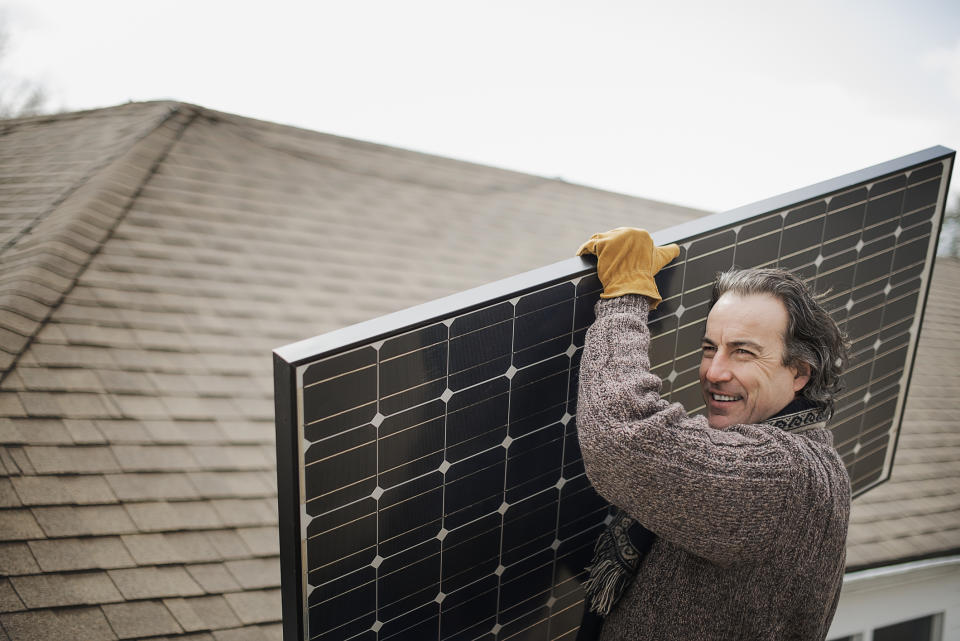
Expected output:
(709, 348)
(744, 352)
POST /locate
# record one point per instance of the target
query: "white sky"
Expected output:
(712, 104)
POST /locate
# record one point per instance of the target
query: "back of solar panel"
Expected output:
(430, 479)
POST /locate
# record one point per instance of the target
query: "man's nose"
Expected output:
(719, 370)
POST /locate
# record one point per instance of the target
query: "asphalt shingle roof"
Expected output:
(151, 257)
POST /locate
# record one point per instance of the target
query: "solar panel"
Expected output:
(429, 476)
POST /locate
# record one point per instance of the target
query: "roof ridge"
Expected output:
(8, 124)
(40, 265)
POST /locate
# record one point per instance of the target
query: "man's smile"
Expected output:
(724, 398)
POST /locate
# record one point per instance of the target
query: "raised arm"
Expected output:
(722, 495)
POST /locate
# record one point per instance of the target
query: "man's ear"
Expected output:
(801, 375)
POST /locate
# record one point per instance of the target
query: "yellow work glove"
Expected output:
(627, 261)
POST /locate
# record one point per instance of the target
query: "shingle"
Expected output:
(184, 431)
(245, 512)
(61, 555)
(159, 516)
(53, 490)
(40, 625)
(255, 408)
(8, 498)
(12, 341)
(231, 484)
(250, 633)
(192, 408)
(213, 577)
(249, 431)
(256, 573)
(87, 623)
(21, 324)
(262, 541)
(75, 588)
(151, 486)
(71, 356)
(202, 613)
(123, 382)
(81, 521)
(154, 582)
(118, 431)
(258, 606)
(10, 404)
(199, 514)
(83, 405)
(83, 431)
(160, 340)
(141, 407)
(220, 385)
(154, 458)
(9, 601)
(16, 558)
(90, 459)
(141, 619)
(18, 525)
(230, 457)
(272, 631)
(27, 306)
(21, 461)
(9, 466)
(151, 549)
(185, 615)
(35, 431)
(228, 544)
(154, 516)
(41, 404)
(59, 379)
(80, 334)
(173, 547)
(9, 433)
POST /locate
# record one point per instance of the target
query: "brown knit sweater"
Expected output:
(751, 521)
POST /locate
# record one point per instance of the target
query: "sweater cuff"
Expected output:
(626, 304)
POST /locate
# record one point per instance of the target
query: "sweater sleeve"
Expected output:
(721, 495)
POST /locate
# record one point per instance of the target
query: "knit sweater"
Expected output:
(751, 521)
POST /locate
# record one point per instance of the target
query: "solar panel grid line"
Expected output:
(863, 234)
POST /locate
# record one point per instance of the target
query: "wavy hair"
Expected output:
(811, 336)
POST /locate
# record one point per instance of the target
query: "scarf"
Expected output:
(623, 545)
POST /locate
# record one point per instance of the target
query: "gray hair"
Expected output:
(811, 336)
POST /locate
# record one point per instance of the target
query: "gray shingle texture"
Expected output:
(61, 555)
(140, 618)
(80, 588)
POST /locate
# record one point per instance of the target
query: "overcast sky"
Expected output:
(712, 104)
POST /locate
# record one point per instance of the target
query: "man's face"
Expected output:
(742, 374)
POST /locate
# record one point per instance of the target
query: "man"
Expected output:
(749, 504)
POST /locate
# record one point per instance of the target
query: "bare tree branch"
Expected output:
(18, 96)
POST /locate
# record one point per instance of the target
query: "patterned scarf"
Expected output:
(624, 544)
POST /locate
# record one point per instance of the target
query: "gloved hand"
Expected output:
(627, 261)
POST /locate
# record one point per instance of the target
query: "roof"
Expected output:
(916, 514)
(153, 255)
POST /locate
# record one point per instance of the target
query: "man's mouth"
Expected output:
(724, 398)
